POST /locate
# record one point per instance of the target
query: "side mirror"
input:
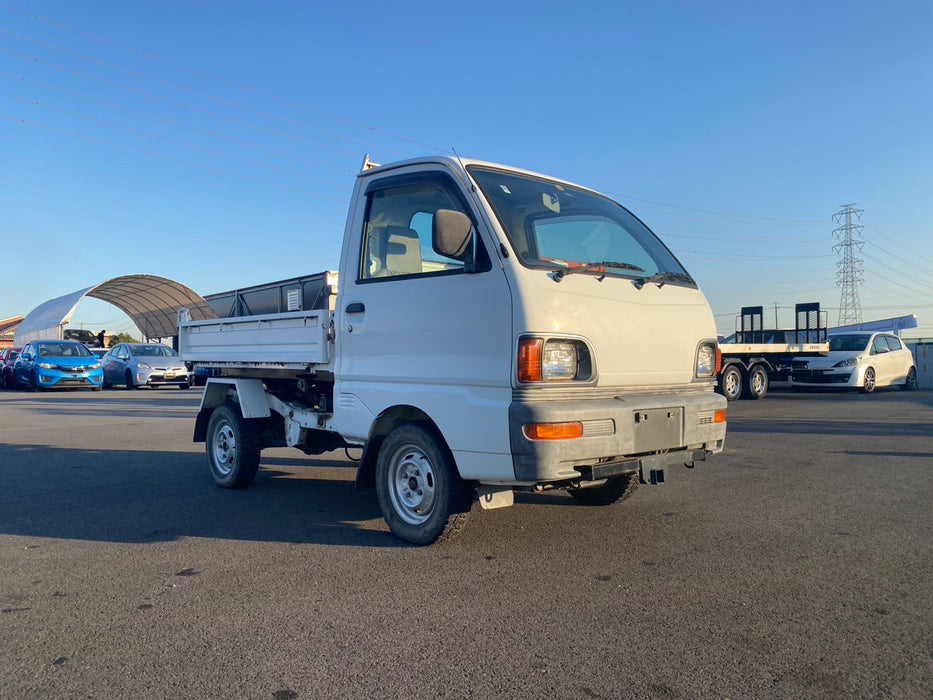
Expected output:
(452, 235)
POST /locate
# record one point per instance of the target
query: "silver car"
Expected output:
(144, 364)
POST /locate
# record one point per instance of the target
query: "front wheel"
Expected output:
(616, 488)
(730, 382)
(868, 384)
(128, 380)
(910, 384)
(421, 495)
(233, 447)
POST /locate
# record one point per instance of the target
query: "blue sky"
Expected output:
(215, 143)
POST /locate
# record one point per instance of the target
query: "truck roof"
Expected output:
(459, 165)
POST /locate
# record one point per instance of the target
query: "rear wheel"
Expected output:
(421, 495)
(616, 488)
(730, 382)
(911, 382)
(868, 383)
(233, 447)
(757, 385)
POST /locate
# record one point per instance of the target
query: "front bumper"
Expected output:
(842, 377)
(50, 378)
(159, 377)
(621, 434)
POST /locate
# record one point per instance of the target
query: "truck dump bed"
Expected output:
(296, 340)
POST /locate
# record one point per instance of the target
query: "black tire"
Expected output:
(34, 381)
(128, 381)
(868, 381)
(731, 382)
(616, 488)
(421, 495)
(183, 386)
(910, 383)
(233, 447)
(756, 384)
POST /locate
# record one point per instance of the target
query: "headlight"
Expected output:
(847, 363)
(143, 365)
(96, 365)
(707, 360)
(46, 365)
(553, 360)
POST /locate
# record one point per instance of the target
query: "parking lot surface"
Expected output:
(798, 564)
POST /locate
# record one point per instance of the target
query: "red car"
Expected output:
(7, 357)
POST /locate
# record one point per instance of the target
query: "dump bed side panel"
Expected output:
(293, 340)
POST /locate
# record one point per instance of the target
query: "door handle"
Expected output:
(357, 307)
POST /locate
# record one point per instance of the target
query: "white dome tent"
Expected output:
(151, 302)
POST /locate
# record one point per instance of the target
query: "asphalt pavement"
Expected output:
(797, 564)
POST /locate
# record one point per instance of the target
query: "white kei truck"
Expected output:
(493, 330)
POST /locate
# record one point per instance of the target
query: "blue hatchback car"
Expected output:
(57, 364)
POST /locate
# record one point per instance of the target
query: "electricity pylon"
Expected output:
(849, 268)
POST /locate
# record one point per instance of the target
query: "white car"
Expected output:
(863, 361)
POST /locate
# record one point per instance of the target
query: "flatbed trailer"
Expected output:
(757, 357)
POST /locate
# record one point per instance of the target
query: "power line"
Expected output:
(910, 251)
(167, 139)
(166, 158)
(221, 79)
(172, 122)
(175, 103)
(794, 222)
(198, 93)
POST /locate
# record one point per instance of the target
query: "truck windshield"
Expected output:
(557, 226)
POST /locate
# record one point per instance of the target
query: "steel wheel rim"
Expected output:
(412, 485)
(869, 379)
(757, 381)
(224, 449)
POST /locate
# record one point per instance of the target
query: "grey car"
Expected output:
(144, 364)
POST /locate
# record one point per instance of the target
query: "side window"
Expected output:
(878, 345)
(893, 342)
(397, 238)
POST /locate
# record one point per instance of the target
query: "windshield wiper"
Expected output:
(594, 267)
(662, 278)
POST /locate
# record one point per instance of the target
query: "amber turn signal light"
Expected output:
(553, 431)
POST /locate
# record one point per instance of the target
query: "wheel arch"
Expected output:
(248, 394)
(384, 424)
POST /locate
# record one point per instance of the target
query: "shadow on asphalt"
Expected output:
(139, 497)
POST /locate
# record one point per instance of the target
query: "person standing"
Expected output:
(100, 338)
